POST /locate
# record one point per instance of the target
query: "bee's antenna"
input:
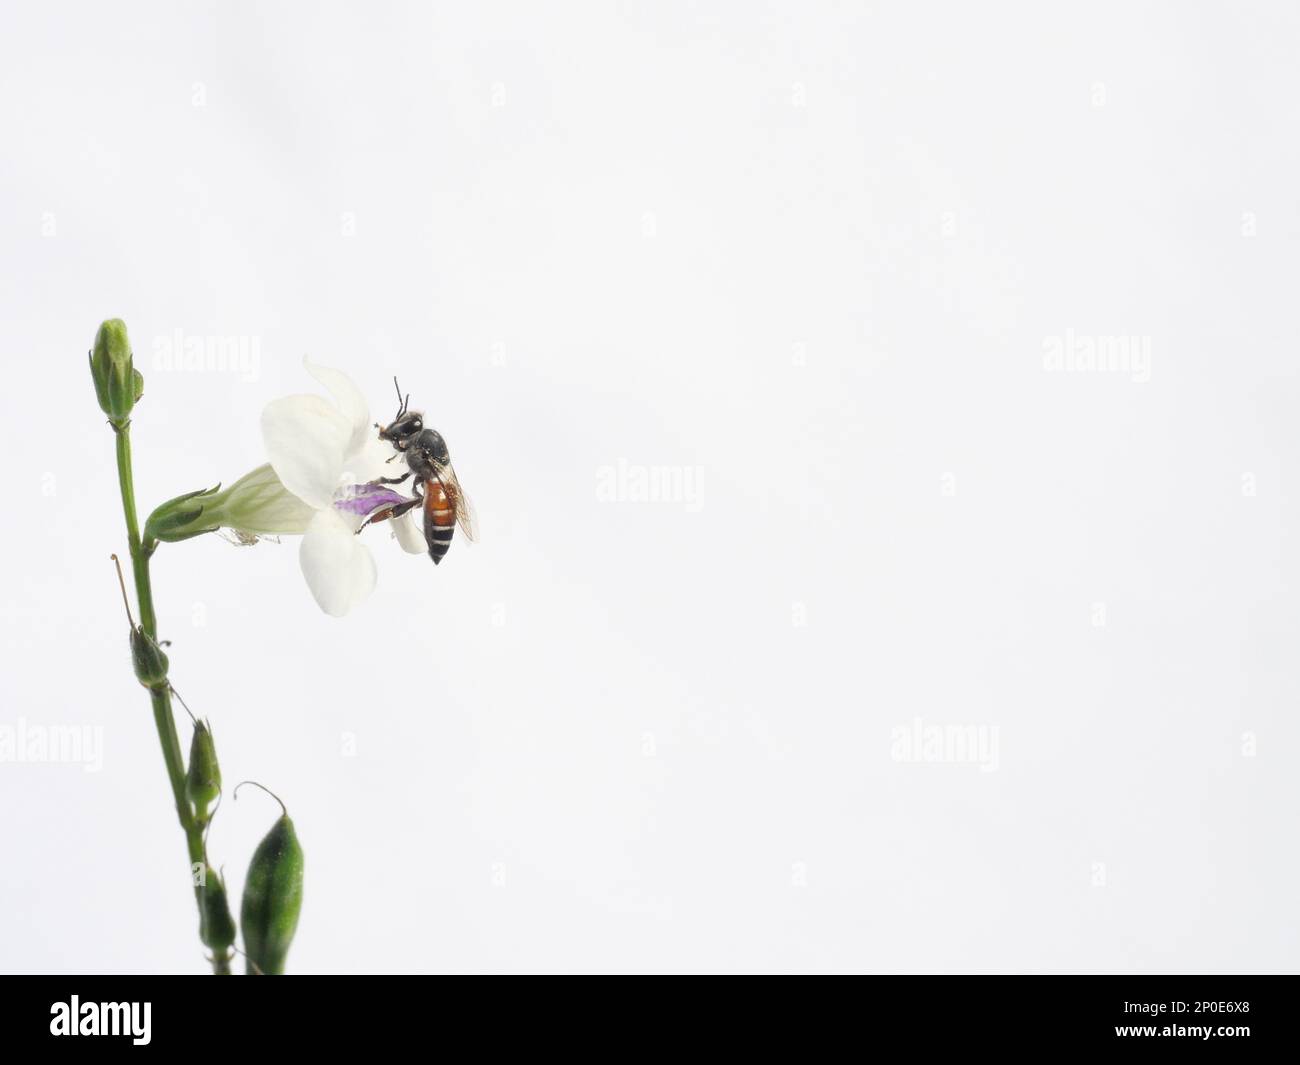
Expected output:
(125, 602)
(401, 403)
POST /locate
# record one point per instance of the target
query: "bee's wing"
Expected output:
(460, 502)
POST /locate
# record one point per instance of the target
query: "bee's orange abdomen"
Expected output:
(439, 519)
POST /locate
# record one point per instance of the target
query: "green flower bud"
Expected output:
(203, 781)
(118, 384)
(216, 926)
(272, 897)
(257, 505)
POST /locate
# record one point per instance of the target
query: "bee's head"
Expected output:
(406, 424)
(403, 428)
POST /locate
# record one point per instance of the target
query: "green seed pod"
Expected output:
(272, 896)
(149, 659)
(203, 781)
(216, 926)
(146, 656)
(118, 384)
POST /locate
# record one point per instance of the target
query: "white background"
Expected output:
(815, 255)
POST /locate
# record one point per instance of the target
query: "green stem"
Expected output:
(139, 556)
(160, 697)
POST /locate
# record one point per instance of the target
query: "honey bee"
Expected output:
(435, 487)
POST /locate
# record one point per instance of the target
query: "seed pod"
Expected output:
(272, 900)
(147, 657)
(203, 781)
(216, 926)
(149, 660)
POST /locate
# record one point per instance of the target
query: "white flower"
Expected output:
(325, 453)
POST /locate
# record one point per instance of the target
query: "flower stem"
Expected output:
(160, 696)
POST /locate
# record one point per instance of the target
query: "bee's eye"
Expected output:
(416, 425)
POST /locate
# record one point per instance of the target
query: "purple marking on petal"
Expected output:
(364, 499)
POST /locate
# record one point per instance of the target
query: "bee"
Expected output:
(435, 486)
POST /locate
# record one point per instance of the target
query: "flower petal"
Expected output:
(362, 500)
(351, 403)
(369, 461)
(306, 438)
(409, 530)
(339, 568)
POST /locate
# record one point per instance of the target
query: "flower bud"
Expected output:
(257, 504)
(118, 384)
(216, 926)
(272, 899)
(203, 780)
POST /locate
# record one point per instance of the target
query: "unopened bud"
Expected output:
(118, 384)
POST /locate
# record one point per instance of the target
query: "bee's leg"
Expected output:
(391, 513)
(391, 480)
(379, 515)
